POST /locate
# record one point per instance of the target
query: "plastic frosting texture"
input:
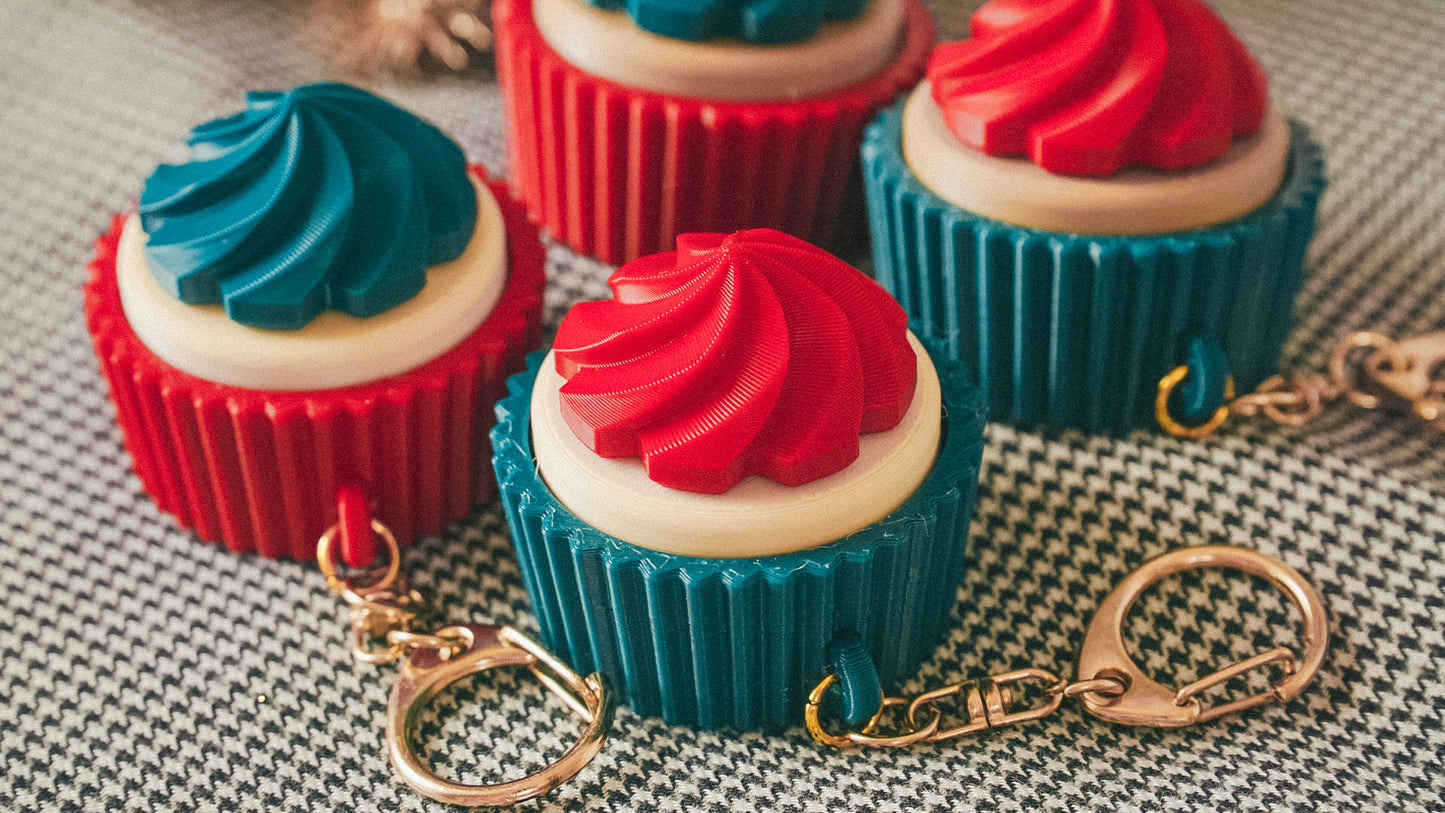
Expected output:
(1086, 87)
(750, 353)
(756, 21)
(320, 197)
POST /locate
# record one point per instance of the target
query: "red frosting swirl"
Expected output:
(1085, 87)
(750, 353)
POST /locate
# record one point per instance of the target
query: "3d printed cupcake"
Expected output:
(628, 128)
(740, 460)
(323, 296)
(1084, 190)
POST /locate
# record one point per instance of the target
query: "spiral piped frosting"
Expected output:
(1086, 87)
(320, 197)
(750, 353)
(755, 21)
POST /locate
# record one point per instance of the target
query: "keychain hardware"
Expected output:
(390, 622)
(1369, 369)
(1115, 689)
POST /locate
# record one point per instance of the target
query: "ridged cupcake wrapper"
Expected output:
(1076, 330)
(259, 470)
(618, 172)
(741, 642)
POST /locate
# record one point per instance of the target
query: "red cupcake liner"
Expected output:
(618, 172)
(260, 470)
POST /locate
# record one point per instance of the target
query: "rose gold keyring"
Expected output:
(1144, 701)
(388, 624)
(428, 671)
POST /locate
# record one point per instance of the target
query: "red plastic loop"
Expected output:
(353, 526)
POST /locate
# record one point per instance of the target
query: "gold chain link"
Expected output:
(388, 619)
(386, 625)
(987, 703)
(1115, 689)
(1366, 368)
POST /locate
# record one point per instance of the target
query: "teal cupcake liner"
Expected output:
(1075, 329)
(740, 642)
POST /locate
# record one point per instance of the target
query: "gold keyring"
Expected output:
(812, 714)
(326, 562)
(1177, 429)
(426, 673)
(1145, 702)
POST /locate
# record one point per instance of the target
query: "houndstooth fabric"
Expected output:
(143, 670)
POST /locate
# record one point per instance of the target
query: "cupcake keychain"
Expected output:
(1115, 242)
(740, 488)
(304, 329)
(740, 467)
(324, 294)
(1085, 195)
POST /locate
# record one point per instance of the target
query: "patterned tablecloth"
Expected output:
(143, 670)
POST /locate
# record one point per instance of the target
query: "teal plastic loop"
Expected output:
(1203, 390)
(860, 694)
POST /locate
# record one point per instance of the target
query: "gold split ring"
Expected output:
(428, 671)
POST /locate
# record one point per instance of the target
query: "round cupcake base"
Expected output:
(740, 642)
(1075, 329)
(259, 470)
(618, 172)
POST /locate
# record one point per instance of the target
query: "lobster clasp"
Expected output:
(1143, 701)
(1412, 370)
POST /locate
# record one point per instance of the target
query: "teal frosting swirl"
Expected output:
(320, 197)
(756, 21)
